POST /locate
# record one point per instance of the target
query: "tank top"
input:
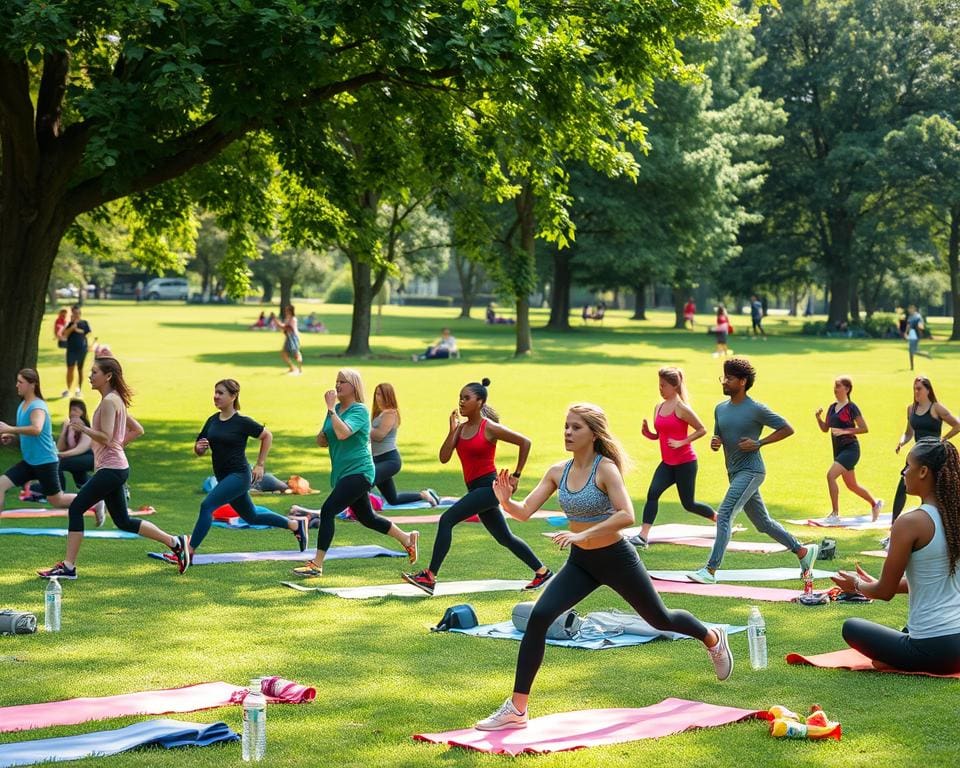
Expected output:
(589, 504)
(111, 455)
(477, 454)
(924, 424)
(389, 442)
(673, 427)
(934, 595)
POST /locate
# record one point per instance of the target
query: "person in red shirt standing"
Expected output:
(689, 313)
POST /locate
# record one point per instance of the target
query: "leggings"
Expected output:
(80, 466)
(684, 476)
(617, 566)
(387, 465)
(936, 655)
(899, 500)
(234, 489)
(106, 485)
(481, 501)
(350, 491)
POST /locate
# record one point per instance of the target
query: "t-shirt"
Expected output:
(39, 449)
(228, 442)
(77, 340)
(913, 324)
(351, 456)
(733, 421)
(844, 418)
(756, 310)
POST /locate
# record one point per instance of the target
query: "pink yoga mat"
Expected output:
(414, 519)
(188, 699)
(766, 594)
(593, 727)
(17, 514)
(850, 659)
(756, 547)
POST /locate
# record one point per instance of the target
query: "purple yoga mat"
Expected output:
(593, 727)
(289, 555)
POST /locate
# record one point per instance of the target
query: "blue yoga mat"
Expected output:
(110, 533)
(505, 630)
(289, 555)
(160, 733)
(240, 525)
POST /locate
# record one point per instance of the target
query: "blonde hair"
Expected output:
(674, 377)
(352, 377)
(604, 442)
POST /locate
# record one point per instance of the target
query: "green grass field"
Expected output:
(130, 623)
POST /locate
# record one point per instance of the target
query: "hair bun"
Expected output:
(485, 381)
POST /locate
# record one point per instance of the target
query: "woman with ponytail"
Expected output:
(475, 441)
(597, 511)
(922, 561)
(672, 420)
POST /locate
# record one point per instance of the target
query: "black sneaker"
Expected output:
(182, 551)
(421, 580)
(59, 571)
(302, 533)
(539, 579)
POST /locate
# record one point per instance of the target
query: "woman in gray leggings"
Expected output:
(921, 561)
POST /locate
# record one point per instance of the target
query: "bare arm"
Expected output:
(907, 435)
(645, 428)
(746, 444)
(82, 446)
(266, 440)
(949, 418)
(108, 419)
(450, 442)
(547, 486)
(820, 422)
(859, 428)
(36, 425)
(322, 440)
(388, 420)
(133, 430)
(687, 414)
(500, 432)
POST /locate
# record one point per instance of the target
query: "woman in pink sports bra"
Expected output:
(672, 420)
(111, 428)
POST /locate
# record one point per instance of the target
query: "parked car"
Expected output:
(70, 291)
(167, 288)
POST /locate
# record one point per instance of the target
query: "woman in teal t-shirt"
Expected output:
(346, 432)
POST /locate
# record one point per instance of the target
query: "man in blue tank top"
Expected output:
(738, 423)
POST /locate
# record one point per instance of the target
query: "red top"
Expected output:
(477, 454)
(672, 426)
(689, 309)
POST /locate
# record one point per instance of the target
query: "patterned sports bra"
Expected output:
(589, 504)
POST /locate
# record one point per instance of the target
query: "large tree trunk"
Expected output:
(524, 336)
(560, 298)
(953, 260)
(640, 301)
(527, 222)
(267, 296)
(854, 301)
(680, 294)
(837, 253)
(286, 292)
(467, 272)
(362, 302)
(839, 309)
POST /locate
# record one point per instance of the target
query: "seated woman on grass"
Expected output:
(921, 561)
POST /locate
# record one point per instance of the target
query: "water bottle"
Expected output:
(254, 740)
(52, 598)
(757, 639)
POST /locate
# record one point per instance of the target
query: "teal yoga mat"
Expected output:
(109, 533)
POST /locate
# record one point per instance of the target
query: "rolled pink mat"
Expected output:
(287, 691)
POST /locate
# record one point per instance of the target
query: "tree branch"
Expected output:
(16, 120)
(53, 87)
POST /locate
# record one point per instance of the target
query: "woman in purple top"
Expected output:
(844, 422)
(672, 420)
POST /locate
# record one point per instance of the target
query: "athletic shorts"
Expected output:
(46, 474)
(848, 456)
(76, 357)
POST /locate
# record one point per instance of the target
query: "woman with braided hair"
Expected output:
(921, 561)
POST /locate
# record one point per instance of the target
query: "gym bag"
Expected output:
(564, 627)
(17, 622)
(457, 617)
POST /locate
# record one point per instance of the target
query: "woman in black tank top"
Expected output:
(925, 418)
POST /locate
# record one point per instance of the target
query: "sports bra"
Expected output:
(477, 454)
(924, 424)
(589, 504)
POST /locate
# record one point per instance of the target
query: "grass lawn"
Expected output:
(130, 623)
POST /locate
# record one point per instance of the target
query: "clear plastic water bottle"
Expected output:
(254, 740)
(757, 639)
(52, 600)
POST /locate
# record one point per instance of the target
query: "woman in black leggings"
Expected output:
(922, 560)
(475, 441)
(672, 419)
(594, 498)
(346, 432)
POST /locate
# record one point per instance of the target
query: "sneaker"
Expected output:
(876, 509)
(413, 551)
(504, 719)
(885, 543)
(302, 533)
(421, 580)
(170, 557)
(309, 570)
(703, 576)
(807, 561)
(60, 570)
(100, 513)
(65, 393)
(434, 497)
(638, 541)
(539, 579)
(721, 656)
(77, 394)
(832, 519)
(182, 552)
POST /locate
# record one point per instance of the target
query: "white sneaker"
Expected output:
(78, 393)
(832, 519)
(504, 719)
(721, 656)
(100, 513)
(876, 509)
(885, 543)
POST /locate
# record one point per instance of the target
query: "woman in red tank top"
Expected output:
(672, 420)
(475, 441)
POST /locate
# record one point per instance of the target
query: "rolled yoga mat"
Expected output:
(151, 733)
(108, 533)
(852, 660)
(408, 590)
(592, 728)
(744, 574)
(288, 555)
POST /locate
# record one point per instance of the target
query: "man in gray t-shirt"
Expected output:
(738, 423)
